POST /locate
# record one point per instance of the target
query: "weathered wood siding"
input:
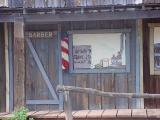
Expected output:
(151, 1)
(124, 82)
(2, 70)
(151, 82)
(15, 3)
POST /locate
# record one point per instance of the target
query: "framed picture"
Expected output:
(154, 49)
(103, 51)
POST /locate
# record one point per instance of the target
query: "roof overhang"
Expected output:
(121, 15)
(89, 16)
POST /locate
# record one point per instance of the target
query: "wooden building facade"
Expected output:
(31, 53)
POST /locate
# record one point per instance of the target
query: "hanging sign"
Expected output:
(40, 34)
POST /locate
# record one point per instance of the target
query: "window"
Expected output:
(154, 49)
(104, 51)
(3, 3)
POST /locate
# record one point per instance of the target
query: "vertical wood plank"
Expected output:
(146, 61)
(10, 41)
(7, 67)
(70, 79)
(41, 47)
(158, 92)
(108, 86)
(19, 65)
(59, 64)
(52, 65)
(133, 78)
(121, 85)
(2, 71)
(31, 74)
(81, 98)
(67, 106)
(94, 82)
(139, 57)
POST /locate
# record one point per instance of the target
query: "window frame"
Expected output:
(151, 48)
(113, 70)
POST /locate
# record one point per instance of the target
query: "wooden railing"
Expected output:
(90, 91)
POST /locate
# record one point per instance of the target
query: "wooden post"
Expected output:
(67, 106)
(60, 73)
(7, 67)
(19, 65)
(139, 60)
(2, 70)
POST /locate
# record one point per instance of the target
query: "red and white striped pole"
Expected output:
(65, 52)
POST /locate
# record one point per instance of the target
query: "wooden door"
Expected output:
(41, 71)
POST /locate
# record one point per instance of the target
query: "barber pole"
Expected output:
(65, 51)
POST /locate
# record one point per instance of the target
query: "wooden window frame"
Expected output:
(151, 48)
(114, 70)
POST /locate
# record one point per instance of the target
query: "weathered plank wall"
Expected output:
(151, 82)
(124, 82)
(151, 1)
(2, 70)
(16, 3)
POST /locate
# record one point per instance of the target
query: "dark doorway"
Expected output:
(2, 70)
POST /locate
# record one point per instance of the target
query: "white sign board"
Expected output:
(82, 56)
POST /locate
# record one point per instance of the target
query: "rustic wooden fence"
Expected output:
(68, 89)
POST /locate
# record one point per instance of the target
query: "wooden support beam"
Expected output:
(7, 67)
(60, 72)
(11, 79)
(117, 15)
(139, 60)
(19, 65)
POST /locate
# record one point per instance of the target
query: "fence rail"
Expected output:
(90, 91)
(105, 94)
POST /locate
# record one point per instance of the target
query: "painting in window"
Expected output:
(157, 48)
(99, 51)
